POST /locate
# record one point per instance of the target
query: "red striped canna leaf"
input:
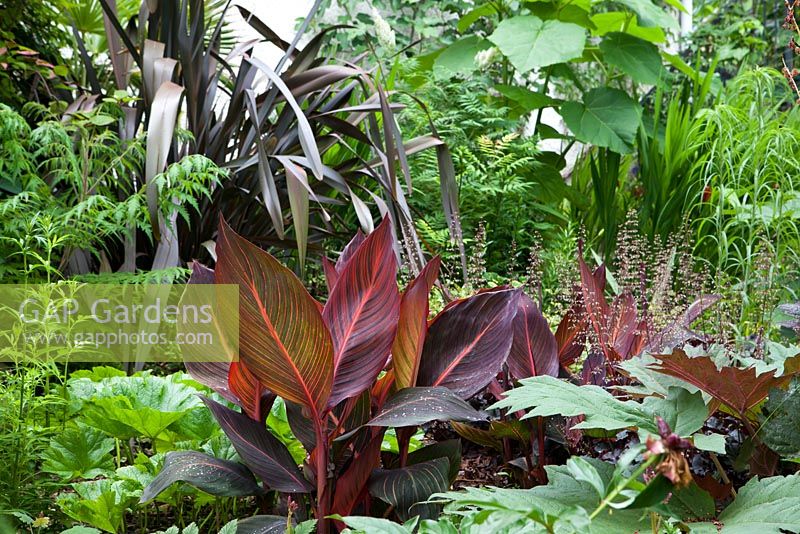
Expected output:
(361, 314)
(468, 342)
(352, 483)
(282, 337)
(413, 326)
(533, 351)
(254, 399)
(333, 271)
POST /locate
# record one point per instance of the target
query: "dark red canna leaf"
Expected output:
(253, 397)
(351, 484)
(570, 336)
(533, 350)
(262, 452)
(282, 337)
(212, 475)
(361, 314)
(213, 374)
(468, 342)
(412, 326)
(333, 271)
(739, 389)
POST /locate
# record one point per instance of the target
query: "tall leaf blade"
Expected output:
(282, 337)
(413, 326)
(468, 342)
(361, 314)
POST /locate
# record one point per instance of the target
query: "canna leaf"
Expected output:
(468, 342)
(416, 406)
(212, 475)
(263, 453)
(413, 326)
(405, 487)
(350, 485)
(361, 314)
(533, 351)
(282, 337)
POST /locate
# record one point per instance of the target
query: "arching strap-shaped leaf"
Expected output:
(361, 314)
(417, 406)
(212, 475)
(468, 342)
(263, 453)
(404, 488)
(282, 338)
(533, 351)
(412, 326)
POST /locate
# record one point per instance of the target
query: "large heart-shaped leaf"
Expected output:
(263, 453)
(740, 389)
(361, 314)
(459, 57)
(531, 43)
(650, 14)
(412, 326)
(405, 487)
(416, 406)
(79, 452)
(282, 337)
(468, 342)
(533, 350)
(635, 57)
(607, 118)
(212, 475)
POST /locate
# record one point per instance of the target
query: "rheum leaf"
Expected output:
(767, 505)
(79, 452)
(413, 326)
(468, 342)
(212, 475)
(740, 389)
(361, 314)
(282, 337)
(781, 431)
(405, 487)
(533, 350)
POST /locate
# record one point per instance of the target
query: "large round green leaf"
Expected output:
(531, 43)
(635, 57)
(607, 118)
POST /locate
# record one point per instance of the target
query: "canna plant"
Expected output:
(348, 370)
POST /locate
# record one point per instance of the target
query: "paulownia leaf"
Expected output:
(533, 350)
(282, 337)
(361, 314)
(607, 117)
(635, 57)
(405, 487)
(531, 43)
(740, 389)
(416, 406)
(412, 326)
(212, 475)
(263, 453)
(468, 342)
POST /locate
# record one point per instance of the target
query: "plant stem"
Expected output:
(322, 477)
(622, 485)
